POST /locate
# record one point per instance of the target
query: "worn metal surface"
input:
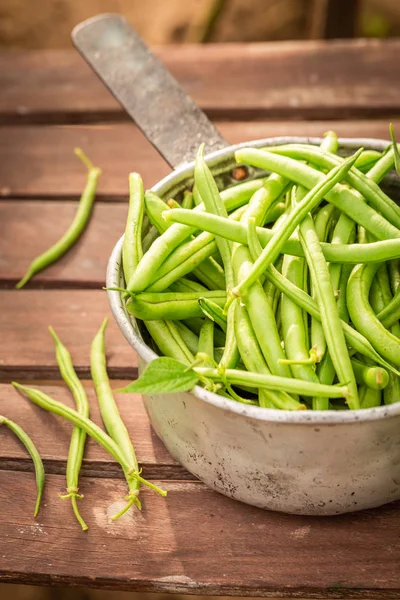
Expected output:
(305, 462)
(168, 117)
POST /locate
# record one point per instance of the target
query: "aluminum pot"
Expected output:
(305, 462)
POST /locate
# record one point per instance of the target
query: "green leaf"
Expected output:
(395, 150)
(163, 376)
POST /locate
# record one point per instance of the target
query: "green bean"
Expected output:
(391, 313)
(363, 184)
(394, 274)
(254, 361)
(330, 143)
(358, 341)
(169, 341)
(274, 382)
(276, 210)
(74, 230)
(109, 409)
(196, 323)
(372, 376)
(132, 250)
(191, 339)
(149, 238)
(164, 245)
(382, 166)
(271, 291)
(155, 207)
(341, 196)
(209, 192)
(172, 203)
(391, 393)
(343, 253)
(213, 312)
(363, 317)
(273, 249)
(188, 200)
(330, 319)
(172, 306)
(206, 340)
(37, 461)
(261, 315)
(294, 333)
(93, 430)
(322, 221)
(78, 436)
(369, 397)
(367, 160)
(184, 285)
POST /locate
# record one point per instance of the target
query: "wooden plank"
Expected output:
(39, 162)
(27, 347)
(237, 81)
(51, 435)
(30, 227)
(172, 545)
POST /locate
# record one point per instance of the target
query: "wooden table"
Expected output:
(195, 541)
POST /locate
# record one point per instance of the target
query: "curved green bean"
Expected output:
(173, 306)
(132, 250)
(31, 448)
(74, 230)
(363, 317)
(78, 436)
(109, 410)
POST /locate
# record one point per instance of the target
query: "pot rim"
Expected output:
(126, 322)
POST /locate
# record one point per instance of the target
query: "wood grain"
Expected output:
(38, 161)
(313, 80)
(51, 435)
(194, 541)
(26, 345)
(30, 227)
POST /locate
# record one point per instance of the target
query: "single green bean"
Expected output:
(213, 311)
(209, 192)
(74, 230)
(155, 207)
(326, 301)
(369, 397)
(363, 317)
(237, 232)
(310, 201)
(294, 333)
(343, 197)
(206, 340)
(109, 409)
(191, 339)
(37, 461)
(132, 250)
(274, 382)
(391, 313)
(188, 200)
(78, 436)
(372, 376)
(172, 306)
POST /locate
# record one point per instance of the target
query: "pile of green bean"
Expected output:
(281, 291)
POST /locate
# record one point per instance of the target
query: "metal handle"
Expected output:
(167, 116)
